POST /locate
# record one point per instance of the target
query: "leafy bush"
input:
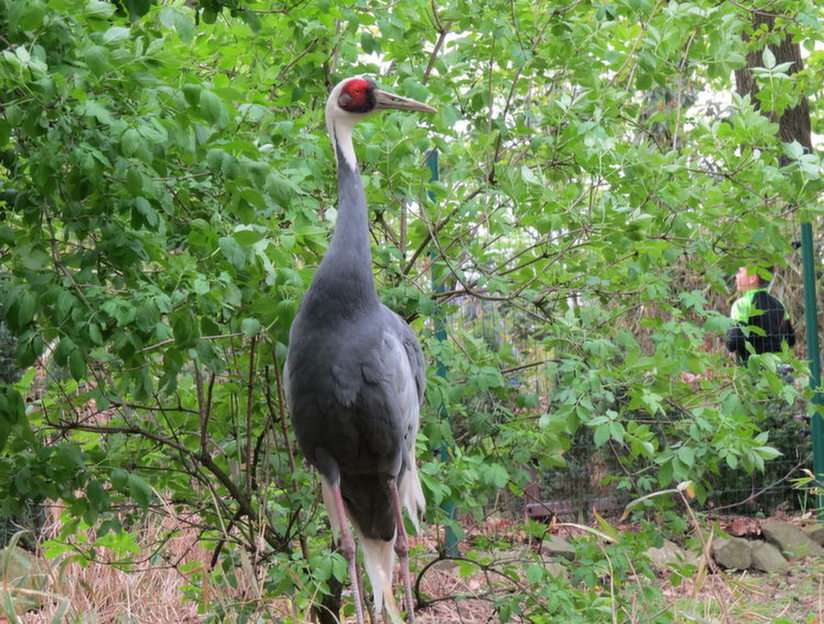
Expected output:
(168, 189)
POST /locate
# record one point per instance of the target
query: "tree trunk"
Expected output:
(794, 124)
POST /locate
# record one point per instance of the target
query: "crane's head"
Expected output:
(353, 99)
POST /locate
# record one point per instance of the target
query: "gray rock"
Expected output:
(556, 569)
(557, 546)
(816, 533)
(789, 539)
(522, 553)
(767, 558)
(732, 553)
(670, 553)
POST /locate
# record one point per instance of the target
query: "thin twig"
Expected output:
(250, 388)
(169, 341)
(434, 56)
(292, 463)
(763, 490)
(437, 228)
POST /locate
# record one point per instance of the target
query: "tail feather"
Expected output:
(411, 494)
(379, 558)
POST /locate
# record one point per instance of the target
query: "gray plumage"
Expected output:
(354, 372)
(354, 378)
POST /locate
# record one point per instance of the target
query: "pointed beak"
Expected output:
(384, 100)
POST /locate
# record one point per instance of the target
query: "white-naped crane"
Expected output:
(355, 376)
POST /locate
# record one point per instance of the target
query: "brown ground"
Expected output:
(152, 592)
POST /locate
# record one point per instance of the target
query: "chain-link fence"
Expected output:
(597, 478)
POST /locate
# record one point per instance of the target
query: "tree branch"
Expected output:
(250, 387)
(432, 57)
(437, 228)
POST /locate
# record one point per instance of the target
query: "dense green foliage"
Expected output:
(167, 189)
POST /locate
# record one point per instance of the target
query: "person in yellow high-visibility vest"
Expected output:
(760, 319)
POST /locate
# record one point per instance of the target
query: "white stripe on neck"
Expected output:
(340, 132)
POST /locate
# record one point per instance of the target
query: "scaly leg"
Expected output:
(347, 547)
(402, 549)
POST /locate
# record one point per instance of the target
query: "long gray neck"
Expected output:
(344, 278)
(351, 237)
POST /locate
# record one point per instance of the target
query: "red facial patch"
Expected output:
(357, 96)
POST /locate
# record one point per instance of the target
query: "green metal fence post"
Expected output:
(811, 319)
(451, 539)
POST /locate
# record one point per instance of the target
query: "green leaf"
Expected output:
(686, 455)
(5, 132)
(134, 181)
(250, 327)
(98, 112)
(26, 15)
(63, 350)
(233, 251)
(95, 335)
(252, 19)
(77, 364)
(130, 142)
(601, 434)
(145, 209)
(535, 573)
(192, 93)
(137, 8)
(793, 150)
(184, 328)
(173, 17)
(139, 490)
(5, 431)
(339, 567)
(248, 235)
(116, 34)
(97, 59)
(200, 285)
(616, 432)
(767, 452)
(119, 478)
(211, 107)
(768, 58)
(26, 305)
(97, 496)
(368, 42)
(99, 9)
(496, 475)
(34, 259)
(12, 406)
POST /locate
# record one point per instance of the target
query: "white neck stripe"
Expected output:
(341, 134)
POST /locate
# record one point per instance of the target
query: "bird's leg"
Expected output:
(347, 547)
(402, 549)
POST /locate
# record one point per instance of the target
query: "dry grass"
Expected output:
(797, 597)
(152, 590)
(148, 591)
